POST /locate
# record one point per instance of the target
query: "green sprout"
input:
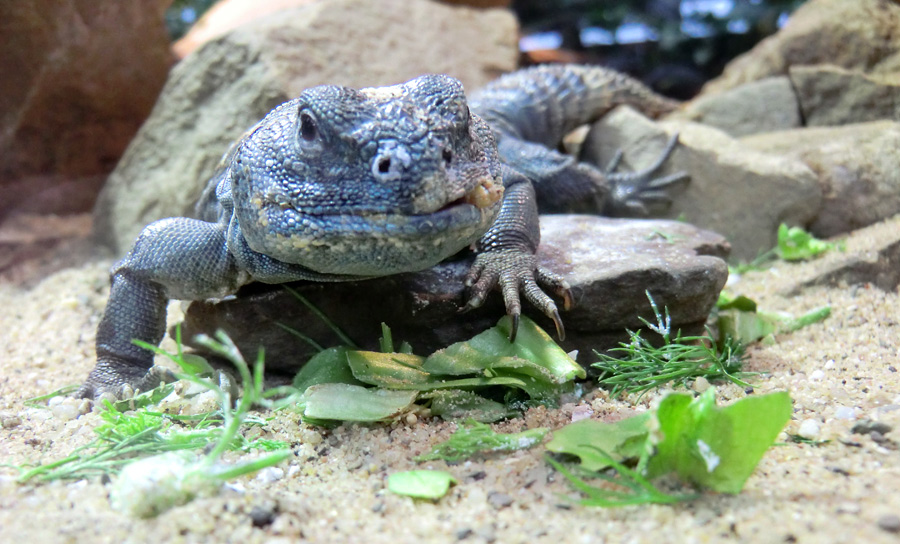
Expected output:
(154, 458)
(678, 360)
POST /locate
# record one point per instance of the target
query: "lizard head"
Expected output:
(368, 182)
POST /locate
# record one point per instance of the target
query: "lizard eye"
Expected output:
(308, 128)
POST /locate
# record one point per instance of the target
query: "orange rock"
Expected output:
(78, 80)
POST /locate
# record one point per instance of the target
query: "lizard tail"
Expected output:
(544, 103)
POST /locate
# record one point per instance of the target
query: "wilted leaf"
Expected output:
(477, 437)
(589, 439)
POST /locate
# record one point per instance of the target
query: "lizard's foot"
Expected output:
(514, 271)
(632, 193)
(116, 380)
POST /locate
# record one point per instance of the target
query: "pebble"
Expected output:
(867, 426)
(582, 411)
(499, 500)
(844, 412)
(889, 523)
(9, 421)
(262, 516)
(849, 508)
(700, 385)
(817, 375)
(68, 408)
(270, 474)
(809, 428)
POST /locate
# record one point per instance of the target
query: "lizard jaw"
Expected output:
(485, 194)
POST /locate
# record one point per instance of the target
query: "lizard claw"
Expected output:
(118, 382)
(514, 328)
(515, 271)
(632, 192)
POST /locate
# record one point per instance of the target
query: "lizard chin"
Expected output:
(375, 244)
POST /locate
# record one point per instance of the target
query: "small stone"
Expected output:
(867, 426)
(9, 421)
(582, 411)
(262, 516)
(817, 375)
(270, 474)
(848, 508)
(499, 500)
(844, 412)
(67, 409)
(411, 419)
(700, 385)
(809, 429)
(464, 533)
(889, 523)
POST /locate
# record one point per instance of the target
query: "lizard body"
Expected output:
(341, 184)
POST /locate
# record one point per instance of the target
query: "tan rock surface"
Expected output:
(861, 35)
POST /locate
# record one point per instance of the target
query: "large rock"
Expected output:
(734, 190)
(830, 95)
(858, 168)
(78, 80)
(610, 263)
(759, 106)
(861, 35)
(227, 85)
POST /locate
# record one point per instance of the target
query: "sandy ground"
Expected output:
(838, 372)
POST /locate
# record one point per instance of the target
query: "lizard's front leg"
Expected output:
(506, 258)
(172, 258)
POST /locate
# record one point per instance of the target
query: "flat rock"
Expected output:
(870, 256)
(859, 35)
(759, 106)
(78, 80)
(857, 166)
(734, 190)
(830, 95)
(231, 82)
(610, 263)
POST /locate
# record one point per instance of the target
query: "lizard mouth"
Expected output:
(484, 195)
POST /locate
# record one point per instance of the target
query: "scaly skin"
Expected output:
(342, 184)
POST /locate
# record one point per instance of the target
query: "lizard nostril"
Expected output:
(384, 165)
(447, 155)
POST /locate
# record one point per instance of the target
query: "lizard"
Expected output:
(343, 184)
